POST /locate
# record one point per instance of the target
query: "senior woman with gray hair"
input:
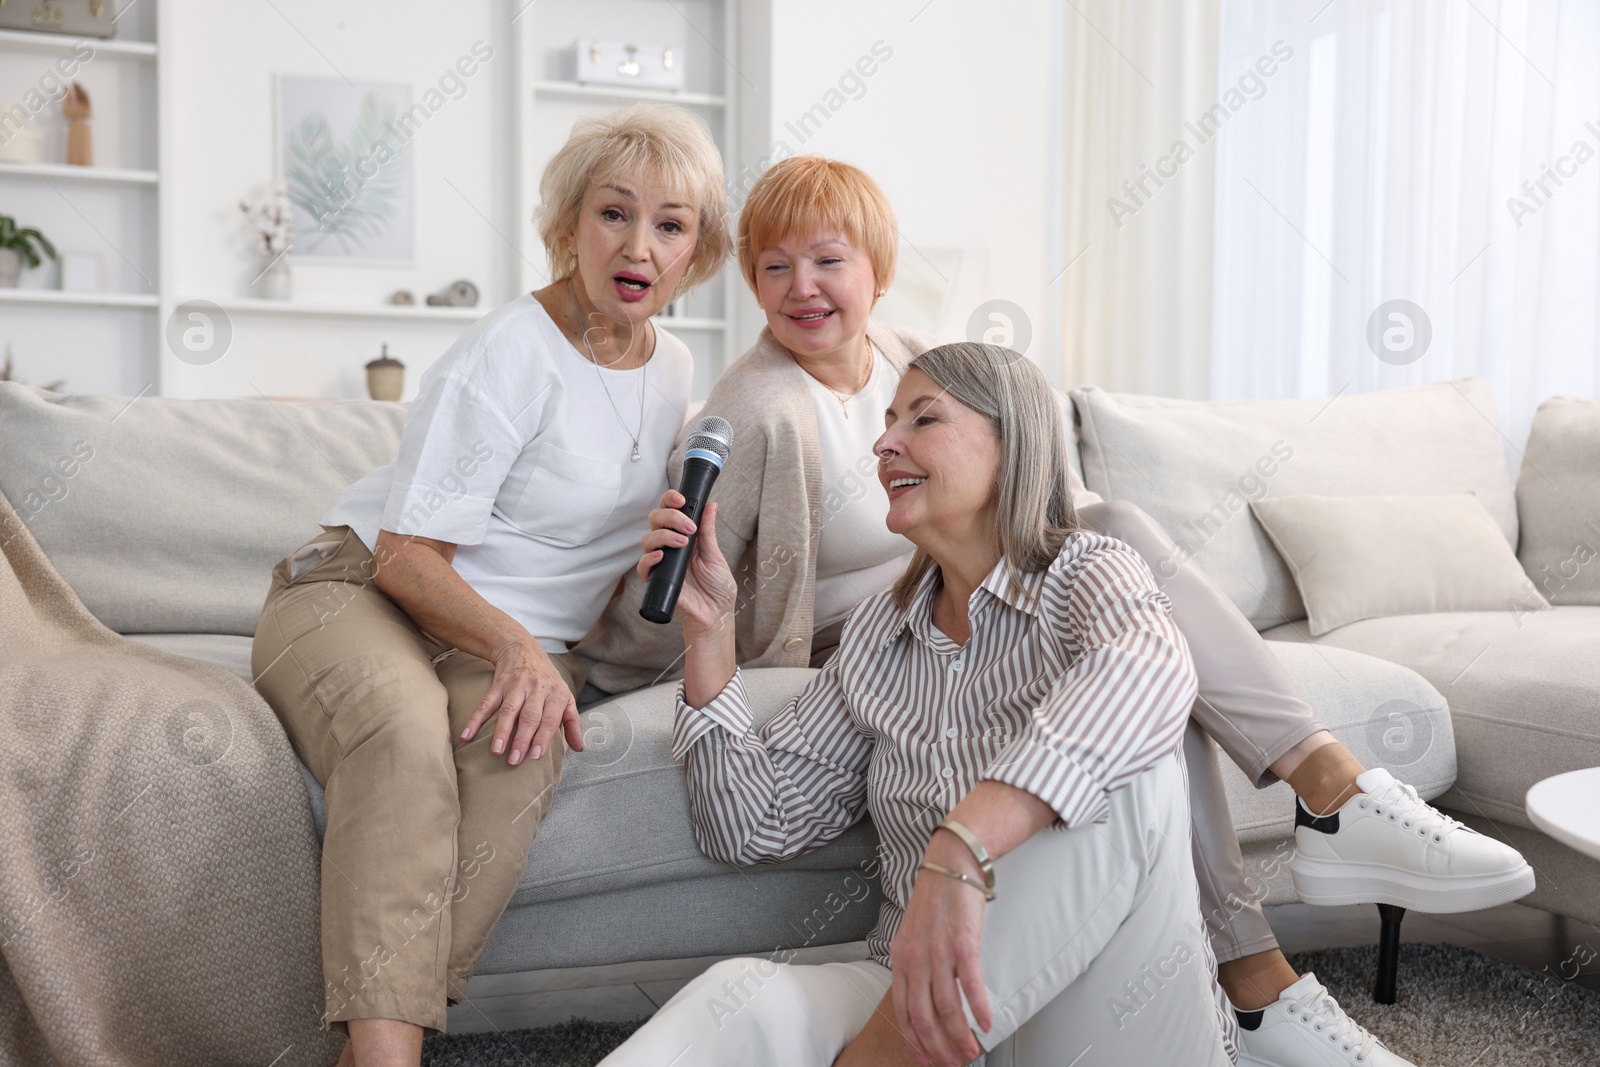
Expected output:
(807, 541)
(1022, 685)
(445, 587)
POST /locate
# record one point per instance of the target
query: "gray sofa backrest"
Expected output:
(1194, 465)
(167, 515)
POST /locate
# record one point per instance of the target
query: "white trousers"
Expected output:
(1093, 954)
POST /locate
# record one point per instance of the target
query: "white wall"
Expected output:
(956, 125)
(222, 61)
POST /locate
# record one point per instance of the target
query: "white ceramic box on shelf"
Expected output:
(635, 63)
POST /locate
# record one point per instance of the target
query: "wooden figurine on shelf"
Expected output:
(80, 144)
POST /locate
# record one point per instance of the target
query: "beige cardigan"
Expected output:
(769, 510)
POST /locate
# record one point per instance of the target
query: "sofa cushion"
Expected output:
(1386, 714)
(1360, 557)
(1523, 688)
(166, 515)
(1193, 466)
(620, 817)
(1558, 501)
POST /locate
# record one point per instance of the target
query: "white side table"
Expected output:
(1567, 807)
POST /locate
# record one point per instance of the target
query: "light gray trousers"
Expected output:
(1248, 705)
(1092, 955)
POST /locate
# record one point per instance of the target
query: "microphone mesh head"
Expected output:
(713, 434)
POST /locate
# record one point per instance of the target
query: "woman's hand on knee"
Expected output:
(935, 956)
(530, 701)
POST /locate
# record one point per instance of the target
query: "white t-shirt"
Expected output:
(513, 452)
(857, 556)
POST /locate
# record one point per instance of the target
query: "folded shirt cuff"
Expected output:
(729, 709)
(1058, 780)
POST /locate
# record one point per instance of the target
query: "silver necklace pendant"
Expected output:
(577, 314)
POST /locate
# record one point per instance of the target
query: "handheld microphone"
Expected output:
(708, 450)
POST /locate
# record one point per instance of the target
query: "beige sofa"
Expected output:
(1522, 684)
(166, 516)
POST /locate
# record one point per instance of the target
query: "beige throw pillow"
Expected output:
(1360, 557)
(1193, 465)
(1558, 501)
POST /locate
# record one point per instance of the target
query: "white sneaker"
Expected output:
(1305, 1027)
(1386, 845)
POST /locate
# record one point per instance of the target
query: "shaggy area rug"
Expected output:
(1457, 1008)
(1460, 1008)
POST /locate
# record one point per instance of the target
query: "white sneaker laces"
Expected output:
(1403, 803)
(1319, 1009)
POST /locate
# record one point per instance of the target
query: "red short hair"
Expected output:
(803, 195)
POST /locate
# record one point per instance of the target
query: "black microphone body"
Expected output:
(708, 449)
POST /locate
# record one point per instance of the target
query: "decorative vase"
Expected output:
(10, 267)
(386, 377)
(275, 282)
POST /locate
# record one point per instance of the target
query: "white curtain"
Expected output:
(1387, 161)
(1133, 269)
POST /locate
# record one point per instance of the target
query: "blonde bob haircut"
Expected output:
(655, 141)
(1033, 512)
(803, 195)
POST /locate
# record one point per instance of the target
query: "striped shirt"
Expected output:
(1067, 688)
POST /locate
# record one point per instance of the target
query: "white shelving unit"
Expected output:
(27, 41)
(61, 298)
(705, 32)
(64, 172)
(249, 306)
(128, 207)
(108, 339)
(621, 94)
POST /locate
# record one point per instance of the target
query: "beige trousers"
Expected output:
(427, 836)
(1248, 705)
(1092, 955)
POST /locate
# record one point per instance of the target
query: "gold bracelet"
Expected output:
(929, 865)
(970, 839)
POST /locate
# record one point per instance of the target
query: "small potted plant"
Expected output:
(17, 245)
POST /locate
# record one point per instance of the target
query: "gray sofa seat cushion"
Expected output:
(620, 817)
(1386, 714)
(166, 515)
(618, 836)
(1523, 688)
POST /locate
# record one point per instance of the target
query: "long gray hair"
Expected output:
(1034, 513)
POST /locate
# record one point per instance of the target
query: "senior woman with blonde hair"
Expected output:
(807, 540)
(445, 588)
(1022, 675)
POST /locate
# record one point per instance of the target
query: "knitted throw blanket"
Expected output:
(158, 866)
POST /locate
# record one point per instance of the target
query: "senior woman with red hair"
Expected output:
(804, 533)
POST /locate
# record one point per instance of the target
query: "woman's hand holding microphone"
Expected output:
(706, 602)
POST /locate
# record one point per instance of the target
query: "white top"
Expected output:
(857, 556)
(513, 452)
(1567, 807)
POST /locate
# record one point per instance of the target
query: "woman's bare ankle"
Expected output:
(1253, 982)
(384, 1043)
